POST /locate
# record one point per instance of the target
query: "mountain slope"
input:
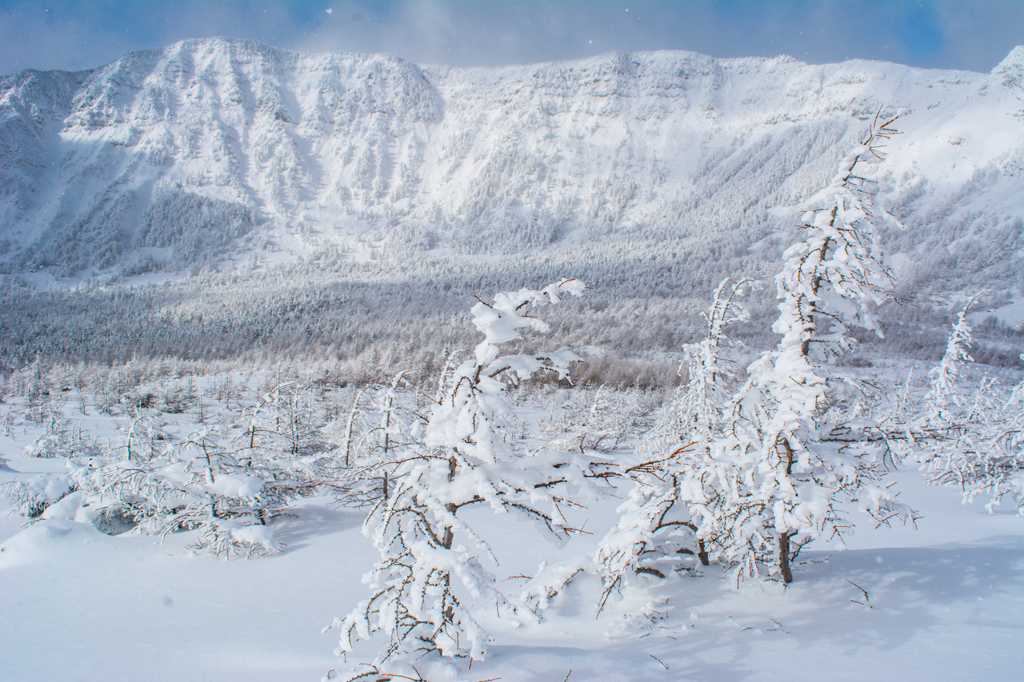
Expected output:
(649, 174)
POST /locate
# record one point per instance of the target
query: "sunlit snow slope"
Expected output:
(172, 155)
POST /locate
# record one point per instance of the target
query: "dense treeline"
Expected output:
(382, 317)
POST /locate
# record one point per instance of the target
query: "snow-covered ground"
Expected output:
(944, 600)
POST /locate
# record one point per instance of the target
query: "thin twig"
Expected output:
(866, 598)
(658, 660)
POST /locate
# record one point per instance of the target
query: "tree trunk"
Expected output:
(787, 574)
(702, 553)
(446, 541)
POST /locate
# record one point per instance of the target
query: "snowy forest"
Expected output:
(520, 441)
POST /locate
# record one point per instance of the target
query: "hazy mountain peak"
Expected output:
(1010, 68)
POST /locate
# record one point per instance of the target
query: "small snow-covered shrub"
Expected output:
(973, 440)
(63, 438)
(194, 484)
(30, 498)
(228, 483)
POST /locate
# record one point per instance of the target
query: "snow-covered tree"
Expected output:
(432, 562)
(371, 437)
(283, 421)
(944, 397)
(598, 420)
(974, 440)
(789, 455)
(662, 527)
(1001, 473)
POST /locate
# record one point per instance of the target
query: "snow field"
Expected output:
(944, 600)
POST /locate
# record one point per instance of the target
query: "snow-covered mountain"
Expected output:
(648, 173)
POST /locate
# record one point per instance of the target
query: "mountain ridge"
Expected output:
(649, 174)
(297, 140)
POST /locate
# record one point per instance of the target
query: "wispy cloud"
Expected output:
(947, 33)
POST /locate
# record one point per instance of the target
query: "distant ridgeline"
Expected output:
(221, 199)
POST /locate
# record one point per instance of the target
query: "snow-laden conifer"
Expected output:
(944, 396)
(664, 526)
(432, 565)
(788, 459)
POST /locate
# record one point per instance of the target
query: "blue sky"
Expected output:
(976, 35)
